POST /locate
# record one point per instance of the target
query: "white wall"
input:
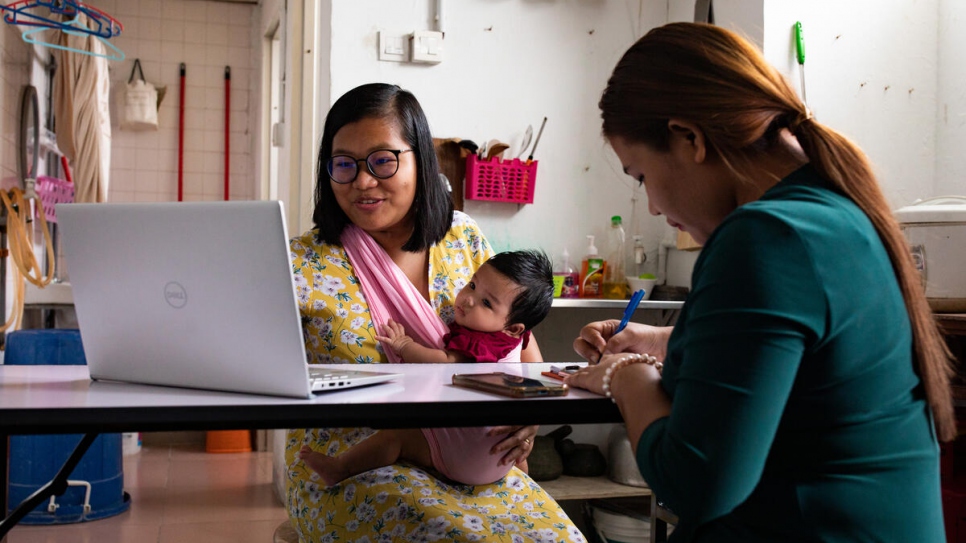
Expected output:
(508, 64)
(872, 72)
(951, 101)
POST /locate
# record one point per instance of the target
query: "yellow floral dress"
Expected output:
(400, 502)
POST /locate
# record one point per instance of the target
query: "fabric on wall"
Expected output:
(82, 110)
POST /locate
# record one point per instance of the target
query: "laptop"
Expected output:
(192, 294)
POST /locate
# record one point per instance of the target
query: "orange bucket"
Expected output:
(228, 441)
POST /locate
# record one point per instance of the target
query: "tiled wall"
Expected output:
(14, 74)
(206, 36)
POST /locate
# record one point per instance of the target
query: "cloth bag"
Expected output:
(139, 106)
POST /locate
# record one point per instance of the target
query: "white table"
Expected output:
(63, 399)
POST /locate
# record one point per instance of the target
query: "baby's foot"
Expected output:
(326, 466)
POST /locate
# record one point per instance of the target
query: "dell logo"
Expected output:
(175, 295)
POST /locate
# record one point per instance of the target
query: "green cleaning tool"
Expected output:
(800, 54)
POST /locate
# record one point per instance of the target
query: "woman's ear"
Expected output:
(690, 139)
(515, 330)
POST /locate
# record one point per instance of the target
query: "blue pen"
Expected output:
(631, 307)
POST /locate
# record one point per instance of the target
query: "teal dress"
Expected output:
(797, 414)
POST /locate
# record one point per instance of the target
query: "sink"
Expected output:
(54, 293)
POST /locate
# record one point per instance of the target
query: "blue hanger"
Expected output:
(104, 25)
(74, 31)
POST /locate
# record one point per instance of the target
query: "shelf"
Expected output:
(567, 487)
(614, 304)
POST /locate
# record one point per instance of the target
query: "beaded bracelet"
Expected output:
(627, 361)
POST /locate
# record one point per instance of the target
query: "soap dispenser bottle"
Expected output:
(570, 278)
(592, 272)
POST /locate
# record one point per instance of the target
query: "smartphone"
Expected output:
(507, 384)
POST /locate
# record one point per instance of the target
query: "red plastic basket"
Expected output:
(496, 180)
(53, 191)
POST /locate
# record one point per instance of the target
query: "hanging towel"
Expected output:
(82, 110)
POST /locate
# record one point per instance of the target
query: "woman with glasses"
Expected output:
(385, 230)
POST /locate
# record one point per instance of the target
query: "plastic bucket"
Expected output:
(228, 441)
(96, 486)
(617, 528)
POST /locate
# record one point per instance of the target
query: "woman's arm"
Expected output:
(532, 352)
(394, 336)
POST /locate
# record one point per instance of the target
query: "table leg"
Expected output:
(4, 472)
(56, 487)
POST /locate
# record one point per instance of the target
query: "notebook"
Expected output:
(192, 294)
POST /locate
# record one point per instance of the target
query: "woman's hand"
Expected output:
(518, 443)
(597, 339)
(635, 388)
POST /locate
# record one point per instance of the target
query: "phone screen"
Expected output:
(509, 385)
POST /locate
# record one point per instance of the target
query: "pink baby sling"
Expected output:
(461, 454)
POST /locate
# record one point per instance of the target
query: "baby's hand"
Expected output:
(394, 335)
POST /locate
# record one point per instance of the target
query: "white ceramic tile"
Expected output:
(216, 34)
(194, 140)
(146, 181)
(126, 8)
(214, 98)
(241, 16)
(214, 76)
(194, 183)
(213, 141)
(150, 9)
(171, 75)
(168, 160)
(195, 11)
(149, 51)
(173, 10)
(239, 121)
(194, 162)
(147, 160)
(173, 52)
(239, 98)
(194, 119)
(216, 55)
(239, 36)
(214, 163)
(214, 118)
(148, 28)
(168, 183)
(194, 32)
(123, 159)
(118, 196)
(172, 30)
(239, 57)
(168, 139)
(213, 185)
(145, 197)
(216, 12)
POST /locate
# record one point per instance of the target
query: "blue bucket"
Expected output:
(96, 486)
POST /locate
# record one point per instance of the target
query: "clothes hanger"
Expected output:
(104, 25)
(69, 28)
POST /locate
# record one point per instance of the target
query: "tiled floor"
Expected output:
(181, 494)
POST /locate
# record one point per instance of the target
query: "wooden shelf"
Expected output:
(614, 304)
(567, 487)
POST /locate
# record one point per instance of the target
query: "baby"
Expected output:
(506, 297)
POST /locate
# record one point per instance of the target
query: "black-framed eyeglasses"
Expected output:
(381, 163)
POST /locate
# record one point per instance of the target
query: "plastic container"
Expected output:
(496, 180)
(613, 527)
(53, 191)
(228, 441)
(567, 277)
(96, 486)
(615, 277)
(591, 272)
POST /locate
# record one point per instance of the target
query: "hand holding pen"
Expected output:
(605, 337)
(629, 310)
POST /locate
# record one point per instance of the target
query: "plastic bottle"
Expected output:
(591, 272)
(615, 277)
(569, 277)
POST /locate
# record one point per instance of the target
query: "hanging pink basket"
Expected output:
(53, 191)
(497, 180)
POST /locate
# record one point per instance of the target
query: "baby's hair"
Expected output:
(533, 271)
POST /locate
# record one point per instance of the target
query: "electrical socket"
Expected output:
(393, 46)
(427, 46)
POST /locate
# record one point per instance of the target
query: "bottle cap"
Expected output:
(615, 219)
(591, 248)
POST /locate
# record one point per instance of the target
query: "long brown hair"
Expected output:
(719, 81)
